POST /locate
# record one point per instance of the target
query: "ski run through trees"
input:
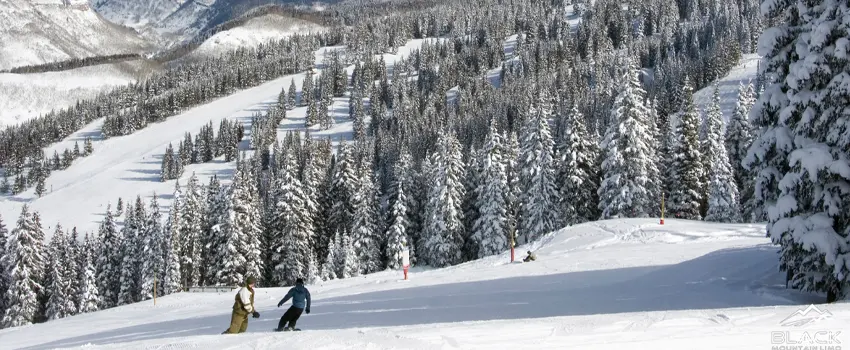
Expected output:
(515, 123)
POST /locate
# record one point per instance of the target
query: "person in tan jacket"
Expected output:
(242, 307)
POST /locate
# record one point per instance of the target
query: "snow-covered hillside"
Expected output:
(130, 165)
(619, 284)
(136, 14)
(743, 73)
(25, 96)
(254, 32)
(41, 31)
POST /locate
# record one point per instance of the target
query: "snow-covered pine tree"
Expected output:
(802, 152)
(4, 267)
(129, 269)
(626, 167)
(471, 184)
(153, 257)
(88, 297)
(22, 262)
(72, 268)
(330, 268)
(342, 190)
(88, 147)
(212, 240)
(687, 166)
(578, 170)
(39, 273)
(291, 229)
(167, 172)
(172, 281)
(281, 100)
(490, 229)
(536, 165)
(364, 229)
(119, 207)
(398, 234)
(351, 263)
(722, 192)
(738, 140)
(59, 304)
(513, 195)
(191, 228)
(108, 262)
(443, 231)
(291, 94)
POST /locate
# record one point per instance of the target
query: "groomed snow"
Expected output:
(617, 284)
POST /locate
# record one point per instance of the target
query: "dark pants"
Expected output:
(290, 316)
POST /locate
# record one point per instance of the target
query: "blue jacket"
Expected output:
(299, 295)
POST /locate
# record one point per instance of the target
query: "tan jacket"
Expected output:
(244, 301)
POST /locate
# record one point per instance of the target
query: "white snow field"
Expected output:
(130, 165)
(617, 284)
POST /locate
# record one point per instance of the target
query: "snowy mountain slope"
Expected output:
(744, 73)
(607, 285)
(136, 14)
(41, 31)
(130, 165)
(254, 32)
(25, 96)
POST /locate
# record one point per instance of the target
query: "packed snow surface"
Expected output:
(616, 284)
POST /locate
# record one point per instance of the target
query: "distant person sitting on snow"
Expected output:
(530, 257)
(242, 307)
(300, 299)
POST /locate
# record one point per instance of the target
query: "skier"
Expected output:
(300, 299)
(530, 257)
(243, 306)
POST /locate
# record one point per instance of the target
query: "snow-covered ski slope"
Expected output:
(130, 165)
(618, 284)
(744, 73)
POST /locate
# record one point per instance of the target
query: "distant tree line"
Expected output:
(75, 63)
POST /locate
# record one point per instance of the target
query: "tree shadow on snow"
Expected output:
(743, 277)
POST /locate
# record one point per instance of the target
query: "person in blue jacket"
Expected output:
(300, 303)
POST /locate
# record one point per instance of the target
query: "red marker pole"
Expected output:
(662, 208)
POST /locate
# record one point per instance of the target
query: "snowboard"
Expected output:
(286, 330)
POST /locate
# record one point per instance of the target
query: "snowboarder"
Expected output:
(530, 257)
(300, 302)
(242, 307)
